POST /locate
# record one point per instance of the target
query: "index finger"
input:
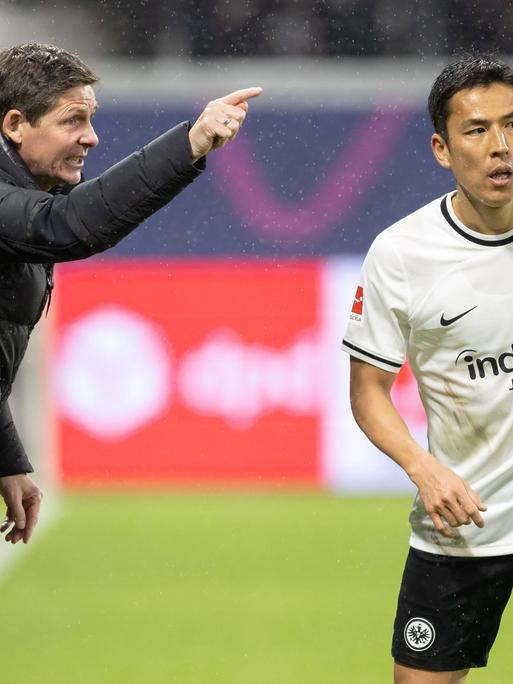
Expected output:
(474, 510)
(477, 518)
(239, 96)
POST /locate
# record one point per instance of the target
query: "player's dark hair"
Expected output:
(33, 76)
(468, 71)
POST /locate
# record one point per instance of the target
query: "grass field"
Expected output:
(211, 588)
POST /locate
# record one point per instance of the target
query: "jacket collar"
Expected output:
(12, 165)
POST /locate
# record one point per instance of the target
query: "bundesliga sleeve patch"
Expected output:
(357, 310)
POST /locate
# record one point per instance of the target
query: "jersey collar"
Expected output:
(472, 235)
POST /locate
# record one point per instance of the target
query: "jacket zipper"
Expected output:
(49, 287)
(45, 302)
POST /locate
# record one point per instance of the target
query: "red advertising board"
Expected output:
(188, 372)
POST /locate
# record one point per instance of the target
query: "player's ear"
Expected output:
(441, 150)
(12, 126)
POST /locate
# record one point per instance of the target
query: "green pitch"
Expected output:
(210, 588)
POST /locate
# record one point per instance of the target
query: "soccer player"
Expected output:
(437, 287)
(48, 215)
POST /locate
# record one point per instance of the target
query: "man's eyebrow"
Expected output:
(474, 122)
(79, 109)
(481, 122)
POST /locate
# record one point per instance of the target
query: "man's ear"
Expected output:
(441, 150)
(12, 126)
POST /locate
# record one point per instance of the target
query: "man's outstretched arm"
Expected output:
(39, 227)
(448, 499)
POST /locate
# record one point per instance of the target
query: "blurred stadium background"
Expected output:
(212, 514)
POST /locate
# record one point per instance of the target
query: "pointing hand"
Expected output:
(220, 121)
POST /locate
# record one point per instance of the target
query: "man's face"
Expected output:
(55, 148)
(480, 143)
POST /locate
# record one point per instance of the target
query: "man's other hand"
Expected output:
(449, 500)
(23, 500)
(220, 121)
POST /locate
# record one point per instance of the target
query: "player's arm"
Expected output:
(447, 498)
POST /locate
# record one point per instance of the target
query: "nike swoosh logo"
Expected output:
(450, 321)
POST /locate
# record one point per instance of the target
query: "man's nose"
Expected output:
(499, 142)
(89, 137)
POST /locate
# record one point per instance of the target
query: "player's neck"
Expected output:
(480, 217)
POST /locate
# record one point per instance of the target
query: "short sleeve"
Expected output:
(378, 328)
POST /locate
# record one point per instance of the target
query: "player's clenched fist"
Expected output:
(220, 121)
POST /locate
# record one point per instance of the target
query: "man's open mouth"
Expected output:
(501, 177)
(501, 174)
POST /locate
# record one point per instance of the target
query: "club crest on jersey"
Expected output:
(357, 310)
(419, 634)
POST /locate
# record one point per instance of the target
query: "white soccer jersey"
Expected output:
(441, 294)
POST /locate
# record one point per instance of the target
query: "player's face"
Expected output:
(55, 147)
(479, 150)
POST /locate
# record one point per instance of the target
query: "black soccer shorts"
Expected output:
(449, 610)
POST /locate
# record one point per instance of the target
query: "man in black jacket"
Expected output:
(48, 215)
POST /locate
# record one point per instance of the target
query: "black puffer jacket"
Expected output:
(38, 229)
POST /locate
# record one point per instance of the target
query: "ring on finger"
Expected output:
(226, 122)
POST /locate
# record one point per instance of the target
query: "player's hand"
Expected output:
(448, 499)
(23, 500)
(220, 121)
